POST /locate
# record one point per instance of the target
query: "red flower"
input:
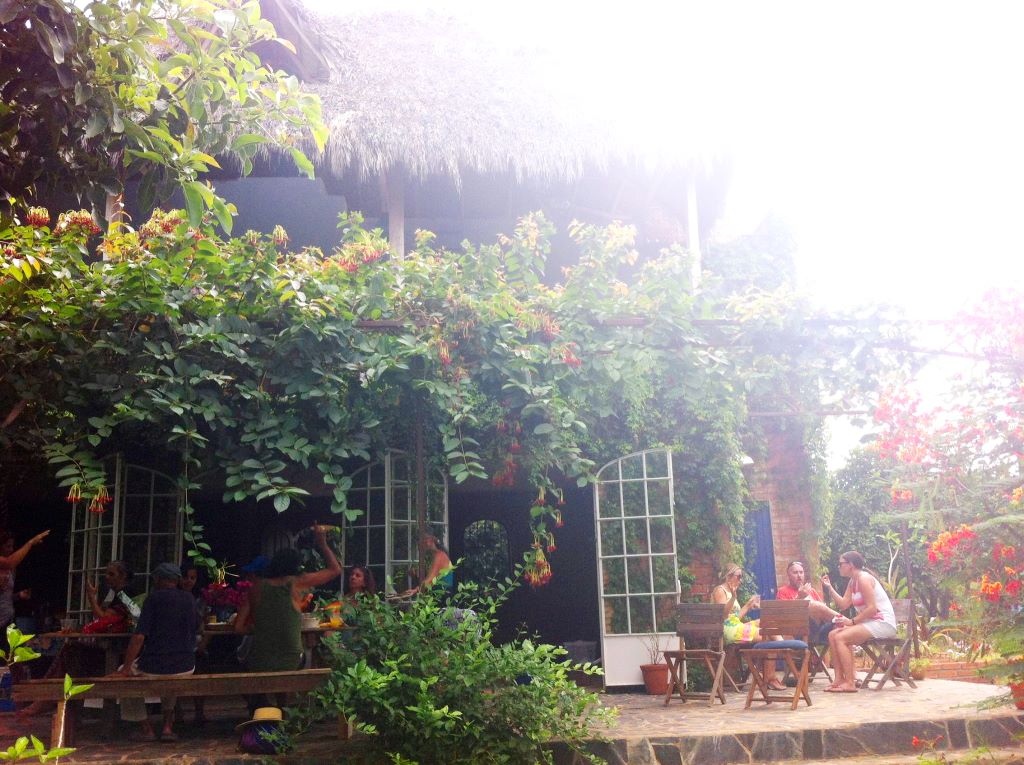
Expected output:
(37, 216)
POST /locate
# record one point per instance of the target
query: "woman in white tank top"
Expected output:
(875, 618)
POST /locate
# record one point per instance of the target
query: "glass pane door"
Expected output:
(636, 547)
(384, 537)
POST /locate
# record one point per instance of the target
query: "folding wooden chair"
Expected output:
(701, 639)
(890, 657)
(781, 617)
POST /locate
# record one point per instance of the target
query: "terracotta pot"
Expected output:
(919, 674)
(655, 678)
(1017, 689)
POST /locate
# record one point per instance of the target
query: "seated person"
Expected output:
(439, 566)
(117, 605)
(360, 581)
(736, 630)
(163, 644)
(875, 617)
(798, 588)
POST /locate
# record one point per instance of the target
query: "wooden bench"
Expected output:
(116, 687)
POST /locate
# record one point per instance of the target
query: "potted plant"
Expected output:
(655, 673)
(919, 668)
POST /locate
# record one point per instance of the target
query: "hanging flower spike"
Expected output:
(515, 448)
(37, 217)
(541, 498)
(538, 573)
(551, 543)
(561, 500)
(279, 236)
(444, 352)
(74, 493)
(98, 504)
(559, 523)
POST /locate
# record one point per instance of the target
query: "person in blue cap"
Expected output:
(163, 644)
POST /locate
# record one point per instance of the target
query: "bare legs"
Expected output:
(841, 641)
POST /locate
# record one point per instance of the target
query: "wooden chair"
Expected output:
(890, 657)
(701, 639)
(781, 617)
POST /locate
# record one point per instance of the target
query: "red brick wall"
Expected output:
(783, 481)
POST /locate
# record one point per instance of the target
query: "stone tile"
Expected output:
(639, 752)
(871, 738)
(994, 732)
(956, 732)
(813, 747)
(667, 754)
(770, 746)
(717, 750)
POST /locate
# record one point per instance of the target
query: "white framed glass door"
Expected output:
(637, 569)
(143, 527)
(383, 537)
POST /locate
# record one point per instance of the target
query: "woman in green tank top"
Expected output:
(272, 611)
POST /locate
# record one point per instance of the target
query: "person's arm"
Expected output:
(130, 655)
(324, 575)
(242, 617)
(98, 611)
(722, 594)
(16, 557)
(842, 601)
(753, 602)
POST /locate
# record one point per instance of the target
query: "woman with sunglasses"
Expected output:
(736, 630)
(875, 617)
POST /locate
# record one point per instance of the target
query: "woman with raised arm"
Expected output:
(272, 611)
(875, 617)
(9, 560)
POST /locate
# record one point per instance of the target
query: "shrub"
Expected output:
(429, 686)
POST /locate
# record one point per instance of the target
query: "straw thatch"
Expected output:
(431, 94)
(423, 92)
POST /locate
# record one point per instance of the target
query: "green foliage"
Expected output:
(111, 91)
(429, 686)
(30, 747)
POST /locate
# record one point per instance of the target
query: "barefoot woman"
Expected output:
(875, 618)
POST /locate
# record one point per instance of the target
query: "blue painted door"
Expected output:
(759, 549)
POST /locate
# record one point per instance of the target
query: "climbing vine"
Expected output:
(250, 363)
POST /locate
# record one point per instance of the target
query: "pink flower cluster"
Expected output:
(223, 594)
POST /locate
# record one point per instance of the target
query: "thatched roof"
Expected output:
(432, 94)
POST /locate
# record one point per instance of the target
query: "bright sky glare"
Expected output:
(888, 135)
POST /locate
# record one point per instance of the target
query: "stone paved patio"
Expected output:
(865, 726)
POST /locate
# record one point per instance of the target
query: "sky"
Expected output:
(888, 136)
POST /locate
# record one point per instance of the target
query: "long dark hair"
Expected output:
(856, 560)
(286, 562)
(371, 583)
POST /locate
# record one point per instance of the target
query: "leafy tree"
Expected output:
(113, 91)
(958, 469)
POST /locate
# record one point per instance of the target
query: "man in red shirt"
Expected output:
(798, 588)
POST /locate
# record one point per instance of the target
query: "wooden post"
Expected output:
(421, 488)
(904, 534)
(693, 231)
(394, 202)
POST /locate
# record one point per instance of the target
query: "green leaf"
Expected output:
(281, 502)
(302, 163)
(544, 427)
(193, 203)
(96, 124)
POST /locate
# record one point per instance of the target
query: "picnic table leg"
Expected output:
(62, 726)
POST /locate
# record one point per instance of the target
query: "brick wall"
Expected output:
(783, 481)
